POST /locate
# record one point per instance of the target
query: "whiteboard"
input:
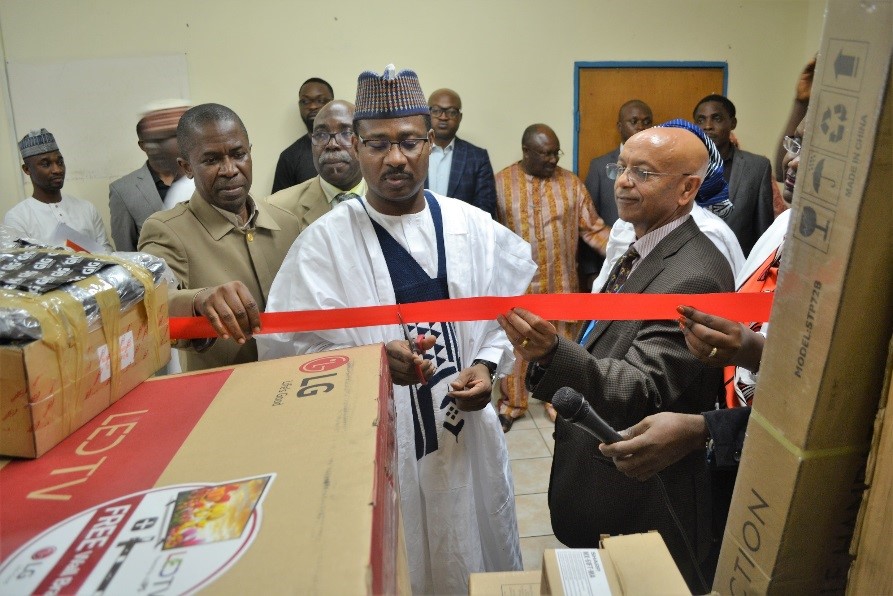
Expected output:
(92, 107)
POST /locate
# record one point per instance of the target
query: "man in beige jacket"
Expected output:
(335, 158)
(224, 246)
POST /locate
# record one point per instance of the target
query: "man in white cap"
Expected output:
(146, 190)
(401, 244)
(38, 216)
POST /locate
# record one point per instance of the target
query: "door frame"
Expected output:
(581, 65)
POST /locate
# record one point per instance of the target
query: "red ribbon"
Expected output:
(745, 307)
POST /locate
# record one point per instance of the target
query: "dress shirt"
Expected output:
(439, 165)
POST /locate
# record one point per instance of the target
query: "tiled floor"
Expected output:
(530, 446)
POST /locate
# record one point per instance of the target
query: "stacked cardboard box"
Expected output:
(69, 370)
(802, 471)
(623, 566)
(872, 572)
(268, 478)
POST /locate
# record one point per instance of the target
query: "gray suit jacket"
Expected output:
(750, 190)
(132, 199)
(628, 370)
(307, 201)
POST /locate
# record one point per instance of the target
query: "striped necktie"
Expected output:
(616, 279)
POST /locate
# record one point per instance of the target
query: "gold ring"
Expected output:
(525, 342)
(712, 353)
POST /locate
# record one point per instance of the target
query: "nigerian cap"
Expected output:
(714, 191)
(390, 95)
(163, 115)
(37, 142)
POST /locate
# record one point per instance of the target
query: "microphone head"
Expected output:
(568, 403)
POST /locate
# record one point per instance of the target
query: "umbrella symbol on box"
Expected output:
(808, 224)
(817, 177)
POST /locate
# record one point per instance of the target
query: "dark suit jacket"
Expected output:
(471, 177)
(132, 199)
(295, 165)
(628, 370)
(601, 189)
(750, 190)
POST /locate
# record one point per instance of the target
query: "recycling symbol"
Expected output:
(833, 122)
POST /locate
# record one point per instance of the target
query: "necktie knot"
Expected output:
(344, 196)
(621, 271)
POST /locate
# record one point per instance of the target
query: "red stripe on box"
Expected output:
(123, 450)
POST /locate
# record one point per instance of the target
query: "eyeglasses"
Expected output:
(547, 154)
(321, 138)
(437, 112)
(646, 122)
(792, 145)
(635, 173)
(408, 147)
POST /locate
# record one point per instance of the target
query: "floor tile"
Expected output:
(532, 549)
(531, 475)
(525, 422)
(533, 515)
(537, 410)
(525, 444)
(546, 434)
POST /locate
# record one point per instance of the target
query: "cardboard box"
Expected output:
(268, 478)
(624, 565)
(872, 572)
(50, 387)
(802, 471)
(505, 583)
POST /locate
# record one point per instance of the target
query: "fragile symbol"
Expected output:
(808, 223)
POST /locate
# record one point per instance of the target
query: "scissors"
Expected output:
(415, 347)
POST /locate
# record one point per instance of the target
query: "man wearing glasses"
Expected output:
(628, 370)
(400, 244)
(335, 158)
(549, 207)
(457, 168)
(295, 163)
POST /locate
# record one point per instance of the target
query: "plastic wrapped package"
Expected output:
(77, 331)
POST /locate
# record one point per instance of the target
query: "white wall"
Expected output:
(511, 60)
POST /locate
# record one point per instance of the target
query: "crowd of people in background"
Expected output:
(380, 202)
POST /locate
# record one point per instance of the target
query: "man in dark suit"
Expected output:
(457, 168)
(749, 175)
(628, 370)
(141, 193)
(295, 163)
(634, 116)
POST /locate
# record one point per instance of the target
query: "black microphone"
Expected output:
(573, 407)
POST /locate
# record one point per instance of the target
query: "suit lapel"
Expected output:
(460, 156)
(314, 204)
(146, 185)
(739, 166)
(650, 268)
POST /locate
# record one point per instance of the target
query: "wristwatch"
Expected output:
(491, 366)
